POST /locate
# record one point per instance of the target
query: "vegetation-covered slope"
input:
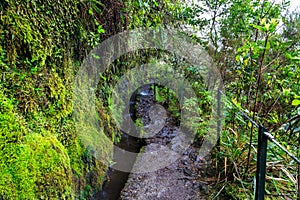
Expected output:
(256, 47)
(42, 45)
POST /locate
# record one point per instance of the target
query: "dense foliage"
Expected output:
(256, 46)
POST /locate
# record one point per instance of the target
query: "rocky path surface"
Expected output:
(181, 179)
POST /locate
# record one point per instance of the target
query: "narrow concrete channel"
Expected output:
(117, 179)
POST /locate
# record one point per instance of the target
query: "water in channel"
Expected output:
(117, 179)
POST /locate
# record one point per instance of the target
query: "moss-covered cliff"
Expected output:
(41, 46)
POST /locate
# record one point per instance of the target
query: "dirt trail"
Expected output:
(182, 179)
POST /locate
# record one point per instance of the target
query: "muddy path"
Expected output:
(185, 177)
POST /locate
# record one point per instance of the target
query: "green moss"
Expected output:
(38, 168)
(32, 166)
(11, 129)
(49, 161)
(42, 155)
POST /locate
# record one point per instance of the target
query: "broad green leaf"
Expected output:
(261, 28)
(91, 11)
(296, 102)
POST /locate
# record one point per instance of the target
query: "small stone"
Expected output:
(196, 185)
(198, 158)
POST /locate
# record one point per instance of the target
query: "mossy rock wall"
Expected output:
(42, 44)
(33, 165)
